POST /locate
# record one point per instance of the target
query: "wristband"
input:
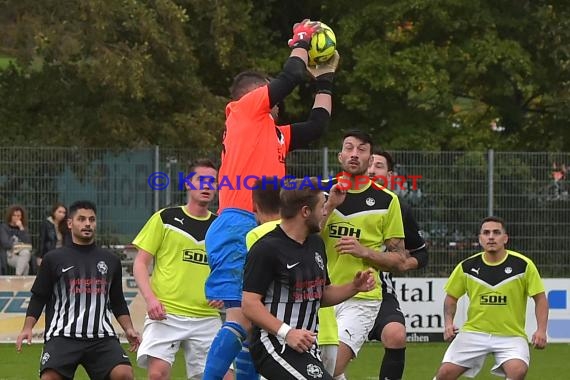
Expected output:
(324, 84)
(302, 44)
(283, 330)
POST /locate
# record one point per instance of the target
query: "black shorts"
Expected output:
(389, 312)
(97, 356)
(289, 365)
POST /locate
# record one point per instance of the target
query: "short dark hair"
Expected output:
(361, 135)
(389, 160)
(244, 81)
(201, 163)
(493, 219)
(293, 197)
(12, 209)
(266, 195)
(77, 205)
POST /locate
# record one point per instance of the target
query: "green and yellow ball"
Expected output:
(323, 46)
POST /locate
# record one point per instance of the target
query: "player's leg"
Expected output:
(329, 352)
(355, 318)
(327, 338)
(512, 357)
(60, 358)
(201, 332)
(159, 345)
(226, 249)
(105, 359)
(390, 329)
(464, 356)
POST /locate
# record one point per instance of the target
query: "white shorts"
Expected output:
(355, 318)
(469, 349)
(162, 339)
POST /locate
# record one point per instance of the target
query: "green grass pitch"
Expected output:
(422, 361)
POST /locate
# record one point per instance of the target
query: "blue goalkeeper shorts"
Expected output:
(226, 249)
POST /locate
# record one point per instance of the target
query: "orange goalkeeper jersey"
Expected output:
(253, 145)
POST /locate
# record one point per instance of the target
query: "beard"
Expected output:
(313, 226)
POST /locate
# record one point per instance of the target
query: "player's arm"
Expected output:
(154, 307)
(449, 310)
(119, 307)
(41, 293)
(535, 289)
(541, 312)
(335, 294)
(295, 68)
(388, 262)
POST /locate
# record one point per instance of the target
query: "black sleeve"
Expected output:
(116, 297)
(41, 289)
(413, 240)
(5, 241)
(302, 134)
(293, 73)
(43, 236)
(259, 268)
(421, 255)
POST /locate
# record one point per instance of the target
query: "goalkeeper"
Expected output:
(254, 145)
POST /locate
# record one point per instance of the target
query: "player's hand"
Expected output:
(325, 71)
(449, 333)
(216, 304)
(300, 340)
(26, 334)
(350, 245)
(337, 195)
(134, 339)
(302, 33)
(364, 281)
(539, 340)
(155, 309)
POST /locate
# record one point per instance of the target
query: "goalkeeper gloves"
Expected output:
(302, 33)
(324, 74)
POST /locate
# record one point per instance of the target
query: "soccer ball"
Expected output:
(323, 46)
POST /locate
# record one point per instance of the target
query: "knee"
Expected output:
(446, 372)
(394, 335)
(157, 374)
(516, 371)
(122, 372)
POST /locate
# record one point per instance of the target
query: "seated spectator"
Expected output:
(52, 231)
(19, 243)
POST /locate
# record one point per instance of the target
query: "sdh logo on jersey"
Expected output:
(197, 256)
(340, 229)
(493, 299)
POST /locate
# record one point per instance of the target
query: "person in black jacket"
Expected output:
(52, 231)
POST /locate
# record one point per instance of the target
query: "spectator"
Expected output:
(16, 240)
(52, 231)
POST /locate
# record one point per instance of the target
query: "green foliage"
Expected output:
(419, 75)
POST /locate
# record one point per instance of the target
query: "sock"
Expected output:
(392, 367)
(224, 349)
(245, 369)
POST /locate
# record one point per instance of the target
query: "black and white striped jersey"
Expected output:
(291, 277)
(79, 285)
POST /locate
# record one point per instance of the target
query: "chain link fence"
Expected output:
(454, 191)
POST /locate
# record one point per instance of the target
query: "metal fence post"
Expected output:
(325, 162)
(490, 172)
(156, 169)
